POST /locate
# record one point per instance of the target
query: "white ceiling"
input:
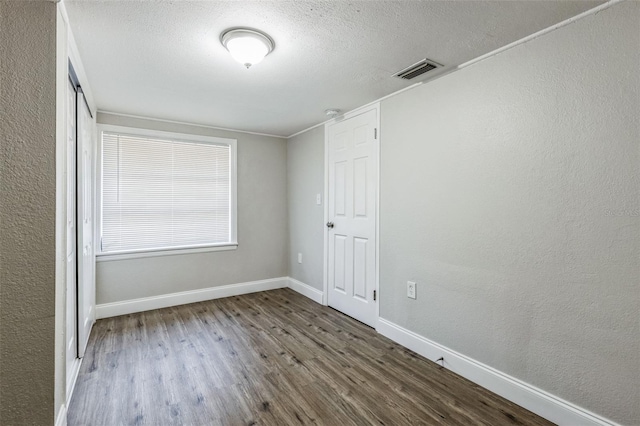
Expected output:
(163, 59)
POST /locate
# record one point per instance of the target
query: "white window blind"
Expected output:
(161, 193)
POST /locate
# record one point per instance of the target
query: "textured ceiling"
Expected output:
(163, 59)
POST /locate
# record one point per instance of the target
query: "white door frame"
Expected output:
(325, 280)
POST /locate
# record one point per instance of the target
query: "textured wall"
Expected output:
(510, 193)
(305, 179)
(27, 211)
(262, 227)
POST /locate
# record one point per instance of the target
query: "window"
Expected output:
(165, 191)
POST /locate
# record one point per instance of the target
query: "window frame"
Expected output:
(176, 250)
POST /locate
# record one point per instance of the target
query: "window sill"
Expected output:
(137, 254)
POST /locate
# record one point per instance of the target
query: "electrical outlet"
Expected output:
(411, 289)
(299, 257)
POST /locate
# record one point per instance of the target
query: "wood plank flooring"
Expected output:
(270, 358)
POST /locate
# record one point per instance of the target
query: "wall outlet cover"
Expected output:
(411, 289)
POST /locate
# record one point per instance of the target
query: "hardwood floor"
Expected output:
(270, 358)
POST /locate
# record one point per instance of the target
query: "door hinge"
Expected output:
(374, 295)
(375, 133)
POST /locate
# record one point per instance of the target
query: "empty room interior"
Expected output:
(320, 212)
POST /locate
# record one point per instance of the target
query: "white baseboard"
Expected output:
(61, 418)
(533, 399)
(107, 310)
(305, 290)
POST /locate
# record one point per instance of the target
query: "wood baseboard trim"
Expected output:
(107, 310)
(533, 399)
(306, 290)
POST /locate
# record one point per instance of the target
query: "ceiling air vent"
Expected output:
(417, 69)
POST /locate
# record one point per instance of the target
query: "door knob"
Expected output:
(330, 225)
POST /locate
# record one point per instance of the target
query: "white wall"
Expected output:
(305, 179)
(27, 212)
(262, 227)
(510, 193)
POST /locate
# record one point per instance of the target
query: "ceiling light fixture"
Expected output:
(246, 45)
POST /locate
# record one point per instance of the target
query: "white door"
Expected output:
(351, 203)
(86, 263)
(72, 342)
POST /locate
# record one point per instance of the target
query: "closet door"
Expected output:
(71, 238)
(86, 257)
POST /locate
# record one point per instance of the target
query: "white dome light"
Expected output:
(247, 46)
